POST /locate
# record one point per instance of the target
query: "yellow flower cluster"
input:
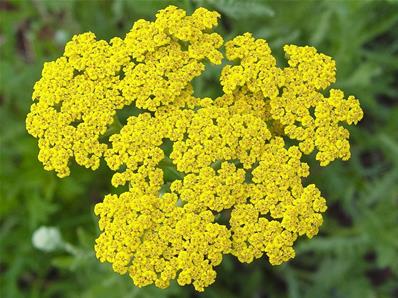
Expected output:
(78, 95)
(293, 94)
(153, 240)
(237, 184)
(76, 100)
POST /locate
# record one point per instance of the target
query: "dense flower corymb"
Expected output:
(206, 177)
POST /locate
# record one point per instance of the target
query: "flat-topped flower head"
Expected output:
(204, 177)
(78, 95)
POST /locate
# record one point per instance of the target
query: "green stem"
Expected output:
(115, 127)
(188, 6)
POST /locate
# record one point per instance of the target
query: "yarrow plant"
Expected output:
(238, 176)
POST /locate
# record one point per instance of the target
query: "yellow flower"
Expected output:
(205, 177)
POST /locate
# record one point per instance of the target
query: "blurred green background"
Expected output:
(356, 252)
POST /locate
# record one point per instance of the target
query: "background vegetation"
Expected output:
(356, 252)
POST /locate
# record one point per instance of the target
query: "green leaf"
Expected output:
(238, 9)
(63, 262)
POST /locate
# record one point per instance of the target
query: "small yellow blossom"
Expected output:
(236, 160)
